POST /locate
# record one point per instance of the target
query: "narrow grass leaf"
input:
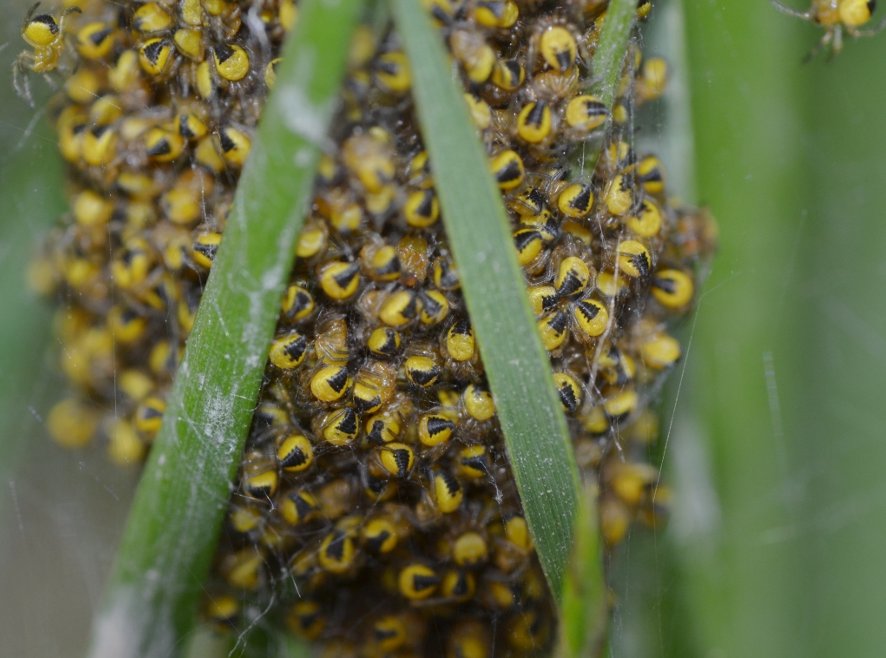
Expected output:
(585, 608)
(170, 538)
(608, 60)
(517, 365)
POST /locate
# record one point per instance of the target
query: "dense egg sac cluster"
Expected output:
(374, 511)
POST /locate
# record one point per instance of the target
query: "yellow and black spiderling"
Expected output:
(508, 169)
(298, 506)
(836, 17)
(534, 122)
(557, 45)
(204, 248)
(155, 56)
(384, 342)
(673, 288)
(45, 34)
(633, 259)
(149, 415)
(295, 453)
(576, 200)
(585, 114)
(340, 427)
(421, 370)
(530, 245)
(379, 535)
(417, 582)
(297, 304)
(375, 474)
(396, 459)
(435, 429)
(288, 350)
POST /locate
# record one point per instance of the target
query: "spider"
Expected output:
(45, 34)
(835, 16)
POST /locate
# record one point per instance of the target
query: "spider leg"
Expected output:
(53, 83)
(31, 12)
(65, 14)
(837, 42)
(869, 33)
(825, 43)
(789, 11)
(21, 77)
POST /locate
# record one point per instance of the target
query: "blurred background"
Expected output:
(773, 436)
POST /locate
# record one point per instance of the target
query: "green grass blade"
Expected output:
(170, 538)
(585, 609)
(609, 57)
(607, 63)
(517, 365)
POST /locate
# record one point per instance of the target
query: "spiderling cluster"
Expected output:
(375, 511)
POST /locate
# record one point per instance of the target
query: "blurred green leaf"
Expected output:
(728, 459)
(825, 389)
(31, 193)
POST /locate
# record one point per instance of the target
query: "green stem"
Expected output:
(167, 548)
